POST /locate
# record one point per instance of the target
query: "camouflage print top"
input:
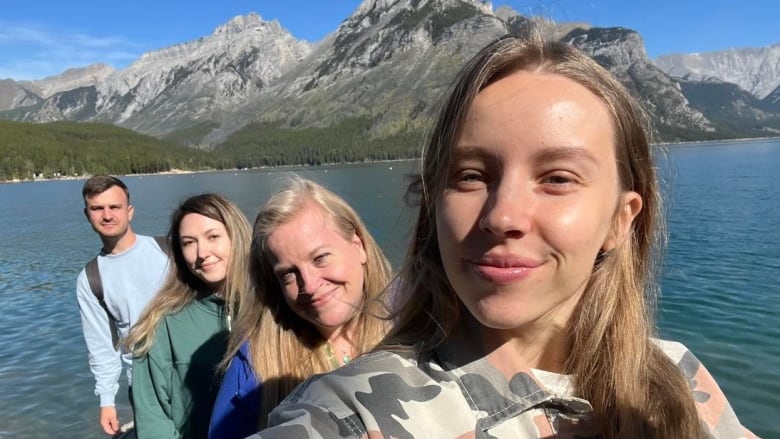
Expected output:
(389, 395)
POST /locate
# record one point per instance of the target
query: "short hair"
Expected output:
(98, 184)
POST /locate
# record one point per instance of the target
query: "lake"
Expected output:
(720, 291)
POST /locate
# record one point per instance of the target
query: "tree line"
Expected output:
(65, 149)
(74, 149)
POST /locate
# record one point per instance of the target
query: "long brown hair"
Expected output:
(181, 285)
(636, 391)
(284, 349)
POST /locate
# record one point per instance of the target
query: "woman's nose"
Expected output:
(308, 280)
(508, 209)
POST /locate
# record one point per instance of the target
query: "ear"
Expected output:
(628, 208)
(358, 243)
(86, 214)
(130, 210)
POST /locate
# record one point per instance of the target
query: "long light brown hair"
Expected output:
(636, 391)
(182, 286)
(284, 349)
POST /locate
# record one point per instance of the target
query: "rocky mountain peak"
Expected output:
(387, 65)
(622, 51)
(242, 23)
(69, 80)
(756, 70)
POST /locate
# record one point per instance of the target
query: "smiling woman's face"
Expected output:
(531, 197)
(319, 271)
(206, 248)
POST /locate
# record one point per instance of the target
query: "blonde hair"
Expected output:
(636, 391)
(181, 286)
(284, 349)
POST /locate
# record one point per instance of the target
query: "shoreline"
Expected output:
(187, 171)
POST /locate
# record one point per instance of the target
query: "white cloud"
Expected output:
(36, 51)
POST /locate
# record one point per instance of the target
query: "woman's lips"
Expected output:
(318, 300)
(503, 270)
(207, 266)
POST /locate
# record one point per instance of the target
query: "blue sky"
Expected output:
(40, 38)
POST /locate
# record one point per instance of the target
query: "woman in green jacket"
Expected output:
(183, 333)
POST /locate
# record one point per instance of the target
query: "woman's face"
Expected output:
(319, 270)
(206, 247)
(531, 197)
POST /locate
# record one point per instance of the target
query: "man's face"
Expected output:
(109, 212)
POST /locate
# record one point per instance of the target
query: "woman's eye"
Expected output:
(287, 278)
(321, 258)
(186, 243)
(558, 179)
(213, 237)
(469, 178)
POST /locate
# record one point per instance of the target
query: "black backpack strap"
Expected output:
(96, 285)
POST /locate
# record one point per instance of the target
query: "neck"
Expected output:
(113, 245)
(342, 342)
(540, 345)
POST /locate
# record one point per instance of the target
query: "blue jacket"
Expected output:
(237, 405)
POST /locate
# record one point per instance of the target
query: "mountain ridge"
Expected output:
(385, 67)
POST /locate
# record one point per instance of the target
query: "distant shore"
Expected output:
(84, 177)
(184, 171)
(718, 142)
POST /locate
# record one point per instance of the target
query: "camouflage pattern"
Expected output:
(390, 395)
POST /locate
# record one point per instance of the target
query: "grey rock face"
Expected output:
(390, 63)
(756, 70)
(622, 52)
(182, 84)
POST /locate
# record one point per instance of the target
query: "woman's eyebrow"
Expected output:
(569, 152)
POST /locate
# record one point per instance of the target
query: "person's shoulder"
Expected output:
(146, 240)
(243, 351)
(355, 375)
(680, 355)
(82, 276)
(82, 284)
(673, 349)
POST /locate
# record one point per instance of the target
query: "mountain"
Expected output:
(756, 70)
(14, 94)
(736, 112)
(179, 86)
(772, 100)
(68, 80)
(369, 89)
(622, 52)
(389, 61)
(388, 65)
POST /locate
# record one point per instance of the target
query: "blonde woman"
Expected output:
(318, 277)
(529, 276)
(183, 333)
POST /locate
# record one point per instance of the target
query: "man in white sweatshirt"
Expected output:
(114, 288)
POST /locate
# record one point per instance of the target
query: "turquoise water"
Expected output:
(720, 291)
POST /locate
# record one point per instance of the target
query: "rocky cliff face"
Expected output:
(622, 52)
(183, 84)
(756, 70)
(15, 94)
(390, 63)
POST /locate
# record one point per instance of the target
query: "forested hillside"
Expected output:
(62, 149)
(351, 140)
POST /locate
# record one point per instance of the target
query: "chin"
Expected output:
(500, 319)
